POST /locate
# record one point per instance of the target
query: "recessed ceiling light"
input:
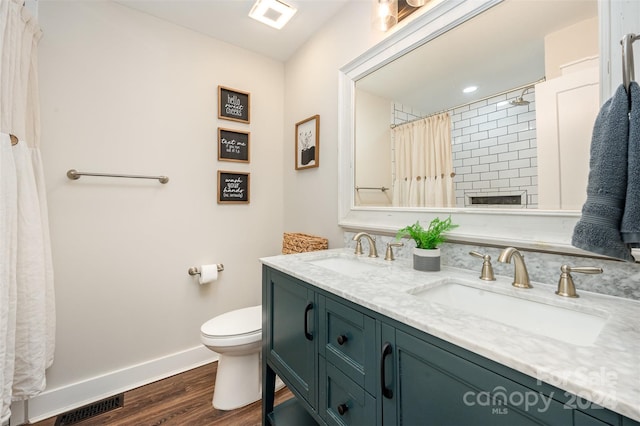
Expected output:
(272, 12)
(470, 89)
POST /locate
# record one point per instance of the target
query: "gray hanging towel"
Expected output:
(598, 230)
(630, 227)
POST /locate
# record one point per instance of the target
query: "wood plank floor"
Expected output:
(184, 399)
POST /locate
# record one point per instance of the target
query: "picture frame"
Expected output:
(307, 151)
(234, 105)
(233, 187)
(233, 145)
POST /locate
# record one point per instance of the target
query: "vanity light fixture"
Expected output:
(417, 3)
(470, 89)
(385, 14)
(272, 12)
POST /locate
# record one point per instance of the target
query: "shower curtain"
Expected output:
(27, 312)
(423, 165)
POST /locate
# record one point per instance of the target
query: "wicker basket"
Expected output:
(294, 242)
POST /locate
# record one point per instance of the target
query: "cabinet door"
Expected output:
(291, 334)
(431, 386)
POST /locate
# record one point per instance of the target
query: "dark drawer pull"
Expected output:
(308, 335)
(386, 350)
(342, 339)
(342, 408)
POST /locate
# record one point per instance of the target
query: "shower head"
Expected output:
(520, 101)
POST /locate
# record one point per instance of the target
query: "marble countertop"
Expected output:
(606, 372)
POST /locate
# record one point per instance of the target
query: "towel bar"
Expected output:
(381, 188)
(73, 174)
(628, 73)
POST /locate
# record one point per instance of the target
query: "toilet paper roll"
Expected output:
(208, 273)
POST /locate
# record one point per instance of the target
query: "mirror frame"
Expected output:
(543, 230)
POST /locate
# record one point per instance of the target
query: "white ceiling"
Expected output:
(228, 21)
(504, 45)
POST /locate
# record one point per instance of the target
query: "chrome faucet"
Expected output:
(372, 244)
(520, 275)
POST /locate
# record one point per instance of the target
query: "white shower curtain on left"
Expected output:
(27, 309)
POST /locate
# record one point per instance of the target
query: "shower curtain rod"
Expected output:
(628, 73)
(472, 102)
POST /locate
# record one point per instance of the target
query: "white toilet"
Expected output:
(237, 337)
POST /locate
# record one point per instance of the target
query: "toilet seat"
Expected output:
(234, 328)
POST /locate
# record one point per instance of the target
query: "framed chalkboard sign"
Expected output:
(233, 187)
(234, 105)
(233, 145)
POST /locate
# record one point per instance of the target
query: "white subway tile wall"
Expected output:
(493, 147)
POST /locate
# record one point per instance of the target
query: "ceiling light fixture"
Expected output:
(385, 14)
(272, 12)
(470, 89)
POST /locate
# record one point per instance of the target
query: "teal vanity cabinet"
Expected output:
(348, 365)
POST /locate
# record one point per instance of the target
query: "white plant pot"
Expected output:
(426, 259)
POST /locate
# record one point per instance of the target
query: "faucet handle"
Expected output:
(566, 287)
(389, 254)
(358, 248)
(487, 269)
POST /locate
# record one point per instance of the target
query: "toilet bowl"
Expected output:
(236, 336)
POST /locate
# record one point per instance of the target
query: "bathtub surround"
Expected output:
(621, 279)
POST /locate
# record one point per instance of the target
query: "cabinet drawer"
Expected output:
(347, 340)
(343, 402)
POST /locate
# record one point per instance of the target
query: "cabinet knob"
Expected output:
(342, 339)
(342, 408)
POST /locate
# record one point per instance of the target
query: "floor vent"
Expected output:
(91, 410)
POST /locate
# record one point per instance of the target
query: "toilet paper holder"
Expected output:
(194, 270)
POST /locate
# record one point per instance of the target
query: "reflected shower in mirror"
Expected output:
(520, 140)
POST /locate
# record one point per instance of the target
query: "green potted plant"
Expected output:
(426, 254)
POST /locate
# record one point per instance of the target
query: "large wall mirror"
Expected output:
(519, 140)
(518, 145)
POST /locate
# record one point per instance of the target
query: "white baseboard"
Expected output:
(56, 401)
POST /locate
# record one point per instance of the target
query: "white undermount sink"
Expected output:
(567, 325)
(351, 266)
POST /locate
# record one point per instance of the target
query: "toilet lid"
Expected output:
(234, 323)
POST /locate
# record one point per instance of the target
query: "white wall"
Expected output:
(570, 44)
(373, 168)
(124, 92)
(311, 87)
